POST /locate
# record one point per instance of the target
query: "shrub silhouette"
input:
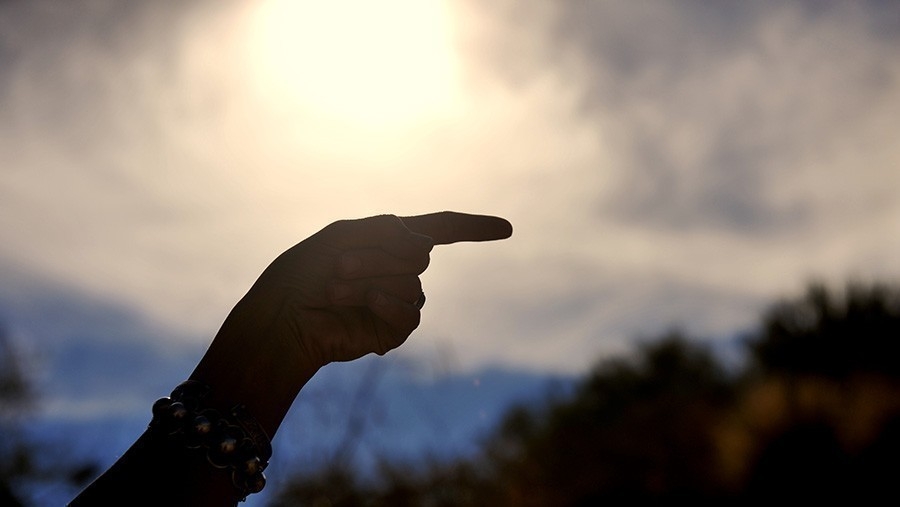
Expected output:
(833, 334)
(635, 429)
(831, 361)
(815, 414)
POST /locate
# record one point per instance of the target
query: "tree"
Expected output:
(15, 398)
(829, 361)
(815, 415)
(635, 430)
(832, 334)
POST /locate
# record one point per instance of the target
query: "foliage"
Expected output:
(833, 334)
(17, 452)
(634, 429)
(816, 414)
(15, 397)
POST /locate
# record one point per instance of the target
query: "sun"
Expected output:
(374, 63)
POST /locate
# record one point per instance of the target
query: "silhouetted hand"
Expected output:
(352, 288)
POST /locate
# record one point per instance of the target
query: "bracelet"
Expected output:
(235, 441)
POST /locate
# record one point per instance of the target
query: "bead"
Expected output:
(235, 441)
(178, 411)
(217, 459)
(227, 445)
(160, 405)
(251, 466)
(202, 425)
(256, 483)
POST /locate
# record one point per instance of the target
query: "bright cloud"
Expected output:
(663, 164)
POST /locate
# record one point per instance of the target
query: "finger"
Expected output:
(397, 319)
(387, 232)
(449, 227)
(412, 246)
(354, 292)
(373, 262)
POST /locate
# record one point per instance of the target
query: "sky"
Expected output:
(664, 164)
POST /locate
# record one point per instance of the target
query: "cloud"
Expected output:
(731, 153)
(732, 116)
(663, 164)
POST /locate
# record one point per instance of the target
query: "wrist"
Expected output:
(232, 441)
(253, 361)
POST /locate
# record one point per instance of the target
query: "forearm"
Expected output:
(155, 471)
(243, 365)
(256, 360)
(351, 289)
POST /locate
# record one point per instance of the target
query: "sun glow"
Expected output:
(385, 63)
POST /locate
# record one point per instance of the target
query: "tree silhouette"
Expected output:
(831, 361)
(636, 429)
(833, 334)
(15, 398)
(18, 449)
(815, 415)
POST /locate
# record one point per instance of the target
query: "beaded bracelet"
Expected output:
(235, 441)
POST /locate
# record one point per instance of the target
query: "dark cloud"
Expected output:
(84, 347)
(640, 145)
(77, 80)
(710, 105)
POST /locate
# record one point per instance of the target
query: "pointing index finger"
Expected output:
(447, 227)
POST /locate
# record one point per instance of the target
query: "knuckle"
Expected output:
(388, 221)
(423, 264)
(337, 225)
(390, 341)
(334, 231)
(408, 286)
(448, 224)
(416, 320)
(412, 290)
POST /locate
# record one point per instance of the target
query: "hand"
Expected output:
(352, 288)
(348, 290)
